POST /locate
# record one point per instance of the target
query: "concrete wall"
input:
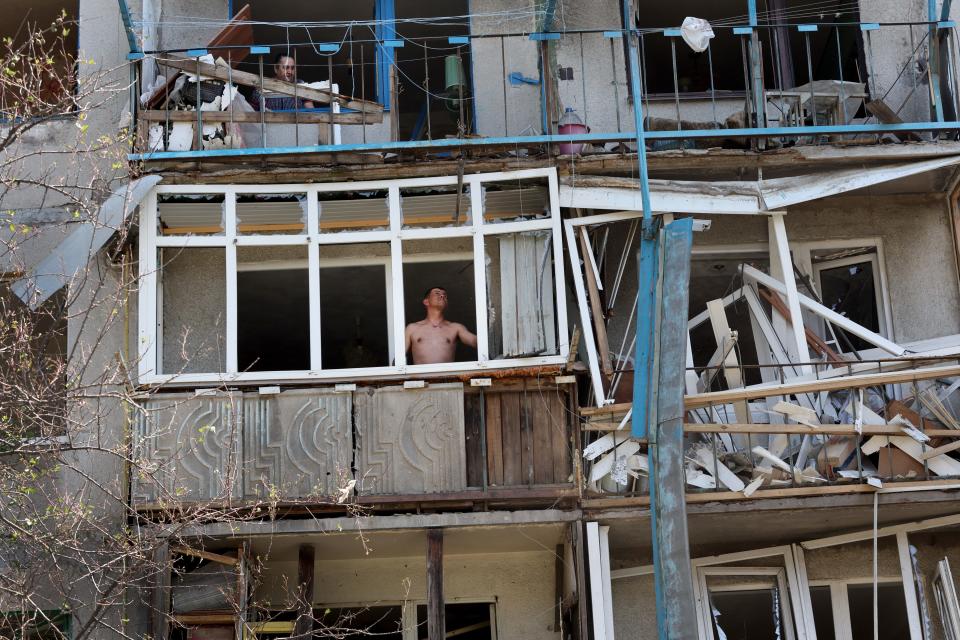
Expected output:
(520, 583)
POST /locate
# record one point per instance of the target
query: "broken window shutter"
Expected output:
(526, 295)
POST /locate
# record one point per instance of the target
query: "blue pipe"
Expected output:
(128, 27)
(754, 132)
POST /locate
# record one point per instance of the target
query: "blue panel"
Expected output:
(743, 31)
(135, 56)
(752, 12)
(945, 10)
(806, 28)
(869, 26)
(458, 40)
(544, 36)
(648, 265)
(676, 618)
(196, 53)
(327, 47)
(613, 34)
(393, 44)
(946, 24)
(385, 30)
(259, 51)
(673, 33)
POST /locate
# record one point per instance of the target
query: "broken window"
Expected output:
(945, 593)
(892, 621)
(447, 264)
(434, 90)
(345, 26)
(849, 283)
(748, 603)
(273, 309)
(355, 301)
(310, 279)
(469, 621)
(693, 69)
(193, 288)
(713, 276)
(33, 358)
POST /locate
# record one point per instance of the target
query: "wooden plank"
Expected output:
(510, 420)
(273, 85)
(239, 31)
(206, 555)
(731, 364)
(436, 622)
(933, 453)
(526, 438)
(305, 570)
(561, 423)
(269, 117)
(886, 115)
(701, 497)
(473, 429)
(577, 540)
(494, 431)
(813, 340)
(160, 598)
(832, 384)
(823, 430)
(596, 306)
(539, 404)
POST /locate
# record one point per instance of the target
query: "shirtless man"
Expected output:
(434, 339)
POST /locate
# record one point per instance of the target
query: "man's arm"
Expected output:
(466, 337)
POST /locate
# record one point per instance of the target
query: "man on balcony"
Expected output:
(285, 69)
(434, 339)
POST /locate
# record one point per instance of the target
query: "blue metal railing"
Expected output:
(777, 84)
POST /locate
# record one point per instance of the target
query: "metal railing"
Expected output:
(774, 84)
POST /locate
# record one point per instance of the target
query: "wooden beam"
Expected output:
(833, 384)
(825, 430)
(700, 497)
(160, 600)
(436, 624)
(206, 555)
(816, 342)
(305, 570)
(254, 117)
(791, 388)
(596, 308)
(224, 74)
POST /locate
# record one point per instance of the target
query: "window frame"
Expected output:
(764, 578)
(840, 601)
(150, 321)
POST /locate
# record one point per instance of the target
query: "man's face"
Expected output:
(285, 69)
(437, 298)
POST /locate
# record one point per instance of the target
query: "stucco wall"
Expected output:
(521, 584)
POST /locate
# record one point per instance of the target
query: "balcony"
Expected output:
(778, 85)
(844, 428)
(320, 448)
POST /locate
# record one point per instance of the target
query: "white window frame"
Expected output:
(879, 280)
(768, 576)
(840, 601)
(150, 330)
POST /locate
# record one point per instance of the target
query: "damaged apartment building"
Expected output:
(527, 319)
